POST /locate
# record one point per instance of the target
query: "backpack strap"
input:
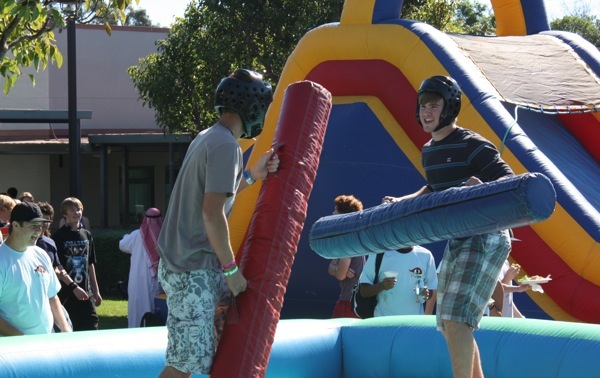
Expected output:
(378, 260)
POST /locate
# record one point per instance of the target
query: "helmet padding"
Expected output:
(245, 92)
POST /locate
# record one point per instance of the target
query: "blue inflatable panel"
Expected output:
(453, 213)
(386, 346)
(302, 348)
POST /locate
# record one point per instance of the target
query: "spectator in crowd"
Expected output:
(26, 197)
(403, 274)
(12, 192)
(346, 270)
(29, 302)
(507, 275)
(76, 252)
(6, 206)
(46, 243)
(143, 281)
(83, 223)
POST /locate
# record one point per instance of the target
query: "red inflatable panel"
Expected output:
(586, 129)
(272, 238)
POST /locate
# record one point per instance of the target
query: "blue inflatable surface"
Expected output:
(453, 213)
(390, 346)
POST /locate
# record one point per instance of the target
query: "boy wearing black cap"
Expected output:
(27, 276)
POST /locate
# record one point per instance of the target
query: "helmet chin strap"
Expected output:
(440, 127)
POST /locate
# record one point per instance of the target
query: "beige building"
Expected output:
(124, 156)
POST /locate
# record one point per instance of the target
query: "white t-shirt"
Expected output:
(401, 300)
(27, 281)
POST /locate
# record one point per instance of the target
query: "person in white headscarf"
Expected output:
(143, 281)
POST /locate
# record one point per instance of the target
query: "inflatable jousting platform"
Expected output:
(391, 346)
(532, 92)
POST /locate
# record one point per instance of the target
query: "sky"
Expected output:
(163, 12)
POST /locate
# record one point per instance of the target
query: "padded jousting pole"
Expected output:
(272, 239)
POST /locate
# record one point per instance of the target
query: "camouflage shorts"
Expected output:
(192, 300)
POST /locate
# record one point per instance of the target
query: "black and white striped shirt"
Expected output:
(462, 154)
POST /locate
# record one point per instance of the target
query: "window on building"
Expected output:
(140, 192)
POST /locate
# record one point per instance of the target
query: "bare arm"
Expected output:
(515, 289)
(6, 329)
(511, 273)
(332, 268)
(498, 297)
(63, 276)
(430, 304)
(267, 163)
(94, 285)
(341, 268)
(368, 290)
(215, 221)
(420, 192)
(59, 316)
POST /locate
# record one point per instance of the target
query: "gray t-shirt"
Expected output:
(213, 164)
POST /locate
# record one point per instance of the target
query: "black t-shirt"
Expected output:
(48, 245)
(76, 252)
(462, 154)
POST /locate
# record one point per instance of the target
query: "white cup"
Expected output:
(390, 274)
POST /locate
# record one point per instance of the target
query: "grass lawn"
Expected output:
(112, 313)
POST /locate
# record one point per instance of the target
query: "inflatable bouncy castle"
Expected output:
(533, 92)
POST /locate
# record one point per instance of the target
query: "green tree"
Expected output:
(587, 26)
(211, 40)
(133, 17)
(216, 36)
(137, 17)
(27, 31)
(474, 18)
(437, 13)
(452, 16)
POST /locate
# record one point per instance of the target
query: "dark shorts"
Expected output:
(468, 275)
(82, 314)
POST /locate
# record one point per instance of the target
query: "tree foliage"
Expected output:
(27, 31)
(137, 17)
(437, 13)
(452, 16)
(133, 17)
(217, 36)
(587, 26)
(474, 18)
(210, 41)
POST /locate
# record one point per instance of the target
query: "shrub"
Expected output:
(112, 265)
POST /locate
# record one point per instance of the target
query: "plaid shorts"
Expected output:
(468, 275)
(192, 299)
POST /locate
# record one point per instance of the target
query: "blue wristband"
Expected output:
(248, 178)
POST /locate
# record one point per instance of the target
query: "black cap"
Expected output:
(27, 212)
